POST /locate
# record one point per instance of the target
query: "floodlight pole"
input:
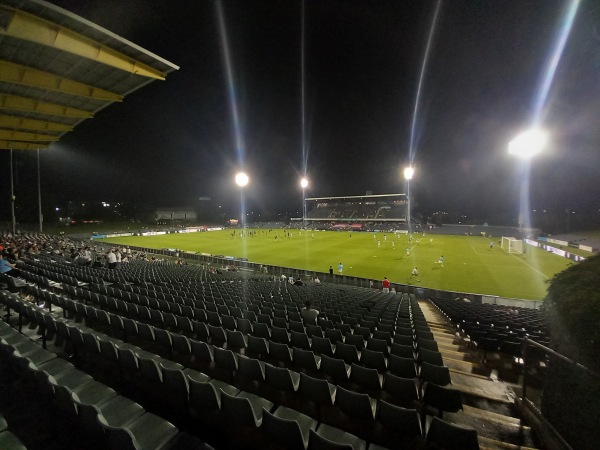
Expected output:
(241, 179)
(524, 146)
(40, 216)
(408, 174)
(303, 209)
(12, 195)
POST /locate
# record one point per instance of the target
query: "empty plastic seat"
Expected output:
(450, 436)
(404, 351)
(261, 330)
(334, 335)
(306, 359)
(397, 427)
(354, 404)
(442, 398)
(365, 377)
(347, 352)
(318, 391)
(383, 335)
(258, 346)
(300, 340)
(245, 409)
(146, 431)
(281, 379)
(225, 359)
(335, 368)
(427, 344)
(288, 427)
(378, 345)
(236, 340)
(330, 438)
(322, 345)
(373, 360)
(430, 356)
(355, 339)
(434, 374)
(251, 369)
(280, 352)
(402, 367)
(400, 391)
(244, 325)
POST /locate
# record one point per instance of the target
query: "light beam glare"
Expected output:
(553, 60)
(411, 149)
(302, 94)
(231, 90)
(237, 131)
(532, 140)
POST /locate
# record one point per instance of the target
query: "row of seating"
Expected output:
(247, 291)
(520, 321)
(239, 409)
(495, 334)
(8, 439)
(400, 319)
(126, 424)
(241, 333)
(400, 359)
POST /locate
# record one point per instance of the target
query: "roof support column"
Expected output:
(40, 215)
(12, 195)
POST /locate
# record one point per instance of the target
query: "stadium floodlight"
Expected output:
(304, 183)
(528, 143)
(408, 173)
(241, 179)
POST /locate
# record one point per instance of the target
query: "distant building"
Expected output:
(178, 213)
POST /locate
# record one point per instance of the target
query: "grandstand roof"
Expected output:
(357, 197)
(58, 69)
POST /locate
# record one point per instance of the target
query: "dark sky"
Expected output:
(173, 141)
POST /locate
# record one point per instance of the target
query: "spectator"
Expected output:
(7, 267)
(386, 285)
(309, 315)
(111, 258)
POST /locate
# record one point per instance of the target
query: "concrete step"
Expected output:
(488, 391)
(493, 444)
(495, 427)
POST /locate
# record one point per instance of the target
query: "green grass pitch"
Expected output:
(469, 263)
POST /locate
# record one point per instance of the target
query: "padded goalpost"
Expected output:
(512, 245)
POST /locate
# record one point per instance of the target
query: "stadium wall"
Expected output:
(556, 251)
(490, 231)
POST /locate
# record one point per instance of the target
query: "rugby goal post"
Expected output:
(512, 245)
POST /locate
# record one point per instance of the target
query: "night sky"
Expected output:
(173, 141)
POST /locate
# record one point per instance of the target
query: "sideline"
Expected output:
(527, 264)
(476, 252)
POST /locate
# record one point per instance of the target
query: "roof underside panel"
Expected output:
(58, 69)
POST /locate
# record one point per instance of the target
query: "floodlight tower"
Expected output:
(242, 180)
(408, 174)
(303, 185)
(525, 146)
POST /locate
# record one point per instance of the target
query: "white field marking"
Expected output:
(476, 252)
(527, 264)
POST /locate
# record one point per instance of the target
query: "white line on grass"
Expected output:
(527, 264)
(476, 252)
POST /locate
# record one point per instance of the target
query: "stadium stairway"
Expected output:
(488, 402)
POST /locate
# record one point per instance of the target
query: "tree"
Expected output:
(573, 311)
(571, 395)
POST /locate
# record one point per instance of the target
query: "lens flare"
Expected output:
(231, 90)
(411, 148)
